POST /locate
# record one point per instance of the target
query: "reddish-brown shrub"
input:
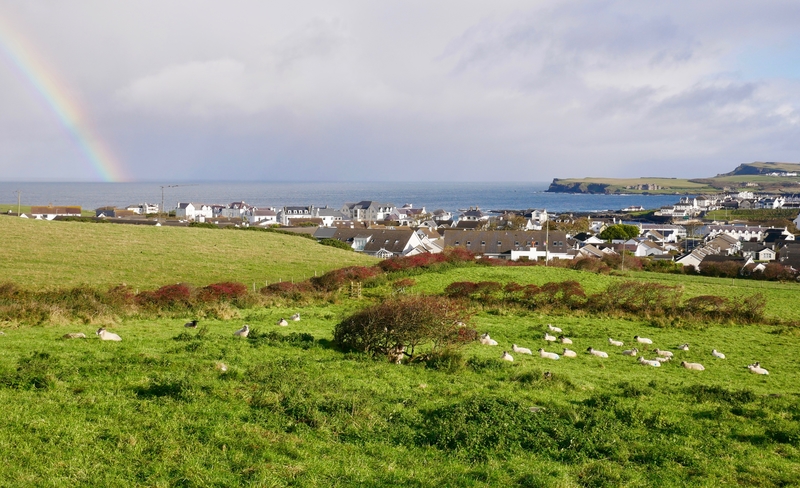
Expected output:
(288, 289)
(333, 280)
(637, 297)
(225, 291)
(167, 297)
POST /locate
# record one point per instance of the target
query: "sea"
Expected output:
(450, 196)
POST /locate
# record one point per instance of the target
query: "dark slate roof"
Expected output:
(502, 241)
(393, 240)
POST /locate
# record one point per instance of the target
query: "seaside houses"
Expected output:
(143, 208)
(367, 210)
(295, 213)
(50, 212)
(194, 211)
(382, 243)
(513, 245)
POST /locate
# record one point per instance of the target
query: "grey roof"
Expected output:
(392, 240)
(502, 241)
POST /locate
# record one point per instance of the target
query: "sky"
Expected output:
(461, 90)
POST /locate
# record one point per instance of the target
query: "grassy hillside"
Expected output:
(62, 254)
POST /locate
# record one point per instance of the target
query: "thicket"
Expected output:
(404, 324)
(642, 299)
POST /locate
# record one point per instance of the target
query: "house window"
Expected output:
(457, 243)
(499, 243)
(516, 243)
(469, 243)
(483, 243)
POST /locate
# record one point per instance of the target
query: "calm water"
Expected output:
(449, 196)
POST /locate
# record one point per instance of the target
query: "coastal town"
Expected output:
(681, 233)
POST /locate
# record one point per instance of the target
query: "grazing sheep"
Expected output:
(295, 317)
(282, 322)
(599, 354)
(757, 369)
(488, 341)
(643, 340)
(683, 347)
(243, 331)
(460, 324)
(74, 335)
(662, 359)
(521, 350)
(506, 356)
(221, 367)
(630, 352)
(565, 340)
(547, 355)
(107, 336)
(549, 338)
(615, 343)
(569, 353)
(717, 354)
(647, 362)
(551, 328)
(694, 366)
(666, 354)
(191, 325)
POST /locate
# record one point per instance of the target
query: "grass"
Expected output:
(42, 254)
(753, 215)
(153, 410)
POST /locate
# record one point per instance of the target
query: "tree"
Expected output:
(620, 231)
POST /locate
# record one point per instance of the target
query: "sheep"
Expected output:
(551, 328)
(548, 355)
(282, 322)
(683, 347)
(74, 335)
(549, 338)
(694, 366)
(296, 317)
(221, 367)
(662, 359)
(243, 331)
(107, 336)
(615, 343)
(565, 340)
(646, 362)
(757, 369)
(666, 354)
(507, 357)
(717, 354)
(2, 333)
(599, 354)
(396, 354)
(521, 350)
(643, 340)
(630, 352)
(488, 341)
(191, 325)
(569, 353)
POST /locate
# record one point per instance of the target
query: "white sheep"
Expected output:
(549, 338)
(521, 350)
(243, 331)
(552, 328)
(221, 367)
(630, 352)
(683, 347)
(694, 366)
(507, 357)
(107, 336)
(757, 369)
(717, 354)
(282, 322)
(565, 340)
(615, 343)
(74, 335)
(296, 317)
(191, 325)
(597, 353)
(547, 355)
(488, 341)
(666, 354)
(569, 353)
(662, 359)
(647, 362)
(643, 340)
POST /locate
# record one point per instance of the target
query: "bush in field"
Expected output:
(288, 289)
(336, 243)
(408, 322)
(333, 280)
(401, 263)
(225, 291)
(775, 272)
(590, 264)
(566, 294)
(648, 299)
(177, 296)
(725, 269)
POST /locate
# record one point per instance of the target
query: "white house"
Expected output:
(194, 211)
(329, 216)
(143, 208)
(265, 216)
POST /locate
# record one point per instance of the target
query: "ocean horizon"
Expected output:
(451, 196)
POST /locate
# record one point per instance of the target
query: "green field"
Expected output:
(56, 254)
(291, 409)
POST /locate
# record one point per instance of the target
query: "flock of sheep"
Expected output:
(662, 356)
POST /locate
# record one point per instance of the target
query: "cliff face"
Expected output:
(560, 186)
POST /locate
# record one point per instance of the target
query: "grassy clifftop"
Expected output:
(62, 254)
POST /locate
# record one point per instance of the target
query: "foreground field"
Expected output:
(41, 254)
(154, 409)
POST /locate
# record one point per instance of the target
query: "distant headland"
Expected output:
(763, 177)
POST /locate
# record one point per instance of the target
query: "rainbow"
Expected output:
(56, 97)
